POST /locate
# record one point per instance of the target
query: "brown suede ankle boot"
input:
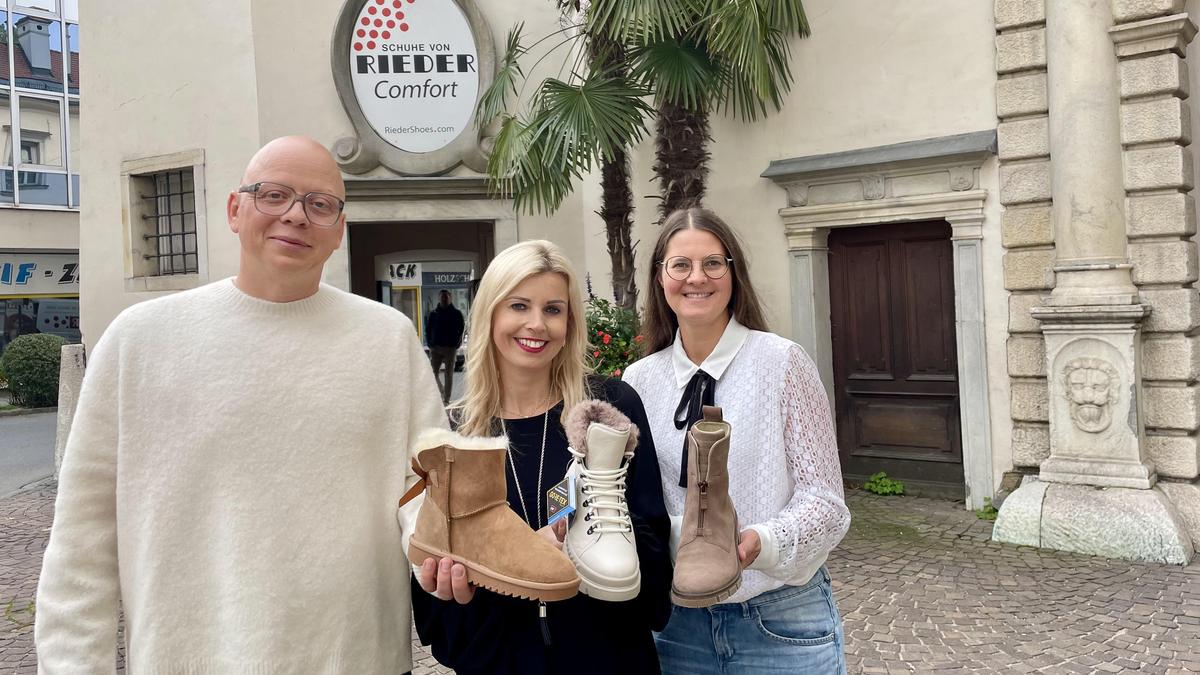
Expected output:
(707, 569)
(466, 518)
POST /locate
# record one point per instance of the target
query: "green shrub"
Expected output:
(880, 484)
(988, 512)
(613, 342)
(3, 379)
(31, 362)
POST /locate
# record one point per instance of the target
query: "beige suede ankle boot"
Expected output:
(707, 569)
(465, 517)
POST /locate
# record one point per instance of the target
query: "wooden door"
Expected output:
(891, 290)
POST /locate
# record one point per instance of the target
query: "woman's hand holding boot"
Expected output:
(555, 533)
(446, 580)
(749, 546)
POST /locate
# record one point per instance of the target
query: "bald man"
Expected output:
(231, 477)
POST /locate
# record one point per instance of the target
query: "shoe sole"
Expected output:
(706, 599)
(600, 592)
(494, 581)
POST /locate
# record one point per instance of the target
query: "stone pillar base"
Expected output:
(1112, 522)
(1140, 475)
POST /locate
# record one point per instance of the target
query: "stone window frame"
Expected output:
(932, 179)
(142, 275)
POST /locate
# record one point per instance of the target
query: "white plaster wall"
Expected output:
(154, 88)
(871, 74)
(27, 229)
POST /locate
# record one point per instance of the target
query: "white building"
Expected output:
(39, 168)
(902, 215)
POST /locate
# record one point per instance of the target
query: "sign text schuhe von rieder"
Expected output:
(415, 71)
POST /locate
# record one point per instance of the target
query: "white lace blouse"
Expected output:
(784, 475)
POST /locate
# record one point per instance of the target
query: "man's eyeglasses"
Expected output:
(274, 199)
(679, 267)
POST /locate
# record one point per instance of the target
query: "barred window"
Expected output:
(169, 217)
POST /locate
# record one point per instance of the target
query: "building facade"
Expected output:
(982, 233)
(39, 169)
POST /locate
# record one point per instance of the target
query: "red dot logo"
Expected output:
(380, 2)
(361, 33)
(371, 9)
(399, 15)
(391, 24)
(374, 33)
(398, 4)
(404, 28)
(358, 46)
(387, 35)
(387, 12)
(370, 44)
(378, 23)
(366, 21)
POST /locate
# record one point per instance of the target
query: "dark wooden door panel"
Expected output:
(906, 428)
(891, 291)
(868, 344)
(929, 284)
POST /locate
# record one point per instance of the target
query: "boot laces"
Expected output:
(603, 489)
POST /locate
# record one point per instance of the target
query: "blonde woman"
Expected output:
(525, 367)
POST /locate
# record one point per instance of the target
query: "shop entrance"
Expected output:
(408, 264)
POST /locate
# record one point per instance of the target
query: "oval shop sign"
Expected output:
(415, 71)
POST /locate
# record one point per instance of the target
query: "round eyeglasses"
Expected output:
(274, 199)
(679, 267)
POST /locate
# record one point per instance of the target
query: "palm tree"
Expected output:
(702, 56)
(568, 128)
(693, 57)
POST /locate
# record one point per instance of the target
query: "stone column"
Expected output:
(809, 249)
(1091, 323)
(967, 239)
(1088, 212)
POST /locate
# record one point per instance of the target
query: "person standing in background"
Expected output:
(444, 334)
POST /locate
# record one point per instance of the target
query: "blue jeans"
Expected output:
(793, 630)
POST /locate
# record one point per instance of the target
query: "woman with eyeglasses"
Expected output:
(708, 344)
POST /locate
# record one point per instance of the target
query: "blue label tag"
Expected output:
(560, 500)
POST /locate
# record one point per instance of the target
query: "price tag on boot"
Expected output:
(560, 500)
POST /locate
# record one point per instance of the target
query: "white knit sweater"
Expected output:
(231, 480)
(784, 475)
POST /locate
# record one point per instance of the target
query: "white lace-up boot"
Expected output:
(600, 539)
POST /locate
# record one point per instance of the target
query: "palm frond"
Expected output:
(788, 16)
(601, 114)
(518, 169)
(494, 100)
(642, 21)
(677, 71)
(753, 53)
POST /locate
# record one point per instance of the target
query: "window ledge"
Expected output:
(166, 282)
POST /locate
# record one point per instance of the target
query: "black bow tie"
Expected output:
(698, 393)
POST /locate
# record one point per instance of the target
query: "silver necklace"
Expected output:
(517, 480)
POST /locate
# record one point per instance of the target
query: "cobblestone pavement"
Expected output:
(919, 585)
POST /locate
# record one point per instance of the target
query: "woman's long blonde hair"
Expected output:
(479, 407)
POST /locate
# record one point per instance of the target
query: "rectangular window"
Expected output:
(168, 217)
(39, 103)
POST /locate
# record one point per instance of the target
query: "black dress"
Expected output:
(496, 634)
